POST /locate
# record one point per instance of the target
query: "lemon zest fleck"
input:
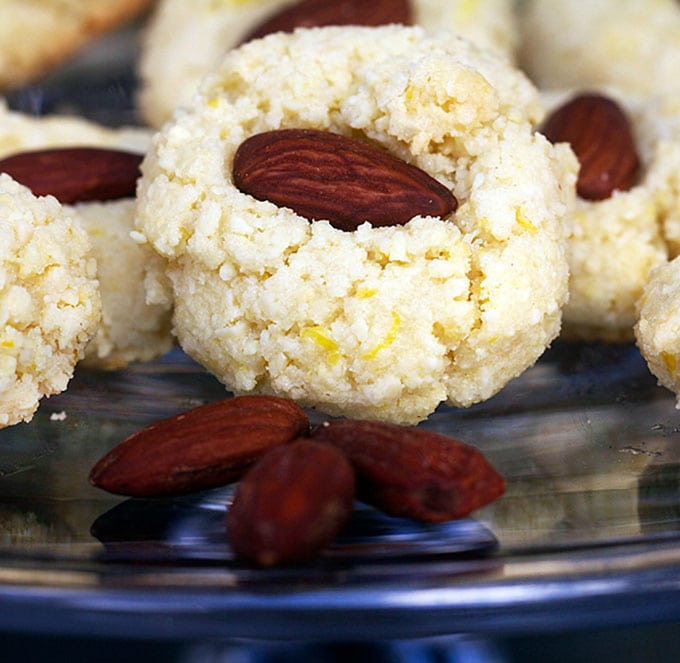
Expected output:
(524, 222)
(220, 4)
(671, 362)
(467, 8)
(389, 339)
(320, 336)
(366, 293)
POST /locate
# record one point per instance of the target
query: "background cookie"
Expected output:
(134, 326)
(36, 35)
(49, 299)
(185, 40)
(633, 45)
(658, 326)
(616, 241)
(380, 322)
(131, 329)
(665, 109)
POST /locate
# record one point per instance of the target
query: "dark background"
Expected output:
(645, 643)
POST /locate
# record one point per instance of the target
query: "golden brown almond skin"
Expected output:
(291, 504)
(319, 13)
(322, 175)
(208, 446)
(76, 174)
(601, 137)
(413, 472)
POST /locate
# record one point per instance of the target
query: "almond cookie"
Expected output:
(50, 299)
(135, 326)
(183, 40)
(380, 321)
(633, 45)
(37, 35)
(618, 235)
(657, 330)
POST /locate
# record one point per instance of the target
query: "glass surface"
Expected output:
(587, 534)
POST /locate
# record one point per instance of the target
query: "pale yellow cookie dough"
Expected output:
(133, 328)
(666, 172)
(37, 35)
(616, 242)
(185, 40)
(49, 299)
(135, 325)
(658, 326)
(384, 323)
(633, 45)
(21, 132)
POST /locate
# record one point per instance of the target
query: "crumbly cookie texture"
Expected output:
(615, 243)
(185, 40)
(657, 330)
(50, 305)
(136, 324)
(631, 44)
(383, 323)
(37, 35)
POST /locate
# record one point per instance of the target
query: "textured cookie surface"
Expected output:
(658, 327)
(184, 40)
(615, 242)
(37, 35)
(631, 44)
(378, 322)
(131, 329)
(50, 305)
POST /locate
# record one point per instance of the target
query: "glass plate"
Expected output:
(587, 535)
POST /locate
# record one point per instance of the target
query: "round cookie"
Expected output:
(379, 322)
(657, 330)
(633, 45)
(615, 242)
(183, 41)
(50, 305)
(37, 35)
(22, 132)
(136, 324)
(666, 109)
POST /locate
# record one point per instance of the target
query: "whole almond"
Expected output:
(600, 135)
(319, 13)
(205, 447)
(291, 504)
(76, 174)
(322, 175)
(412, 472)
